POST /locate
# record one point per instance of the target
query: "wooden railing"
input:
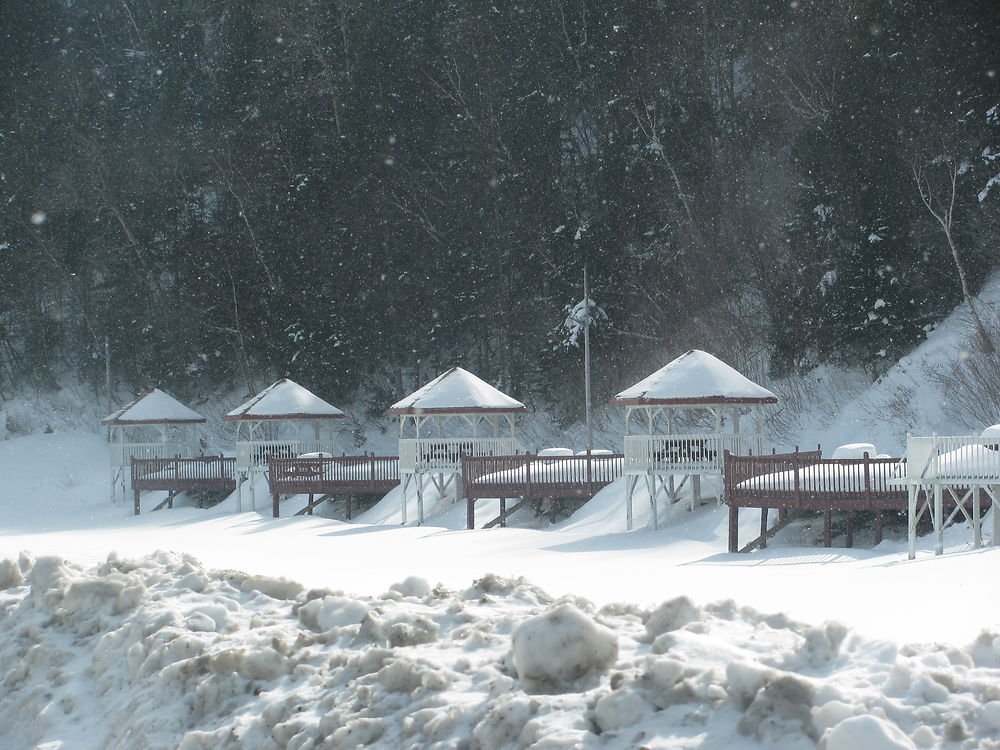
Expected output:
(680, 454)
(445, 454)
(952, 459)
(805, 480)
(530, 476)
(180, 474)
(340, 474)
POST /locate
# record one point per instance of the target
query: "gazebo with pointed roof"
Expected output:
(152, 425)
(283, 420)
(680, 421)
(456, 413)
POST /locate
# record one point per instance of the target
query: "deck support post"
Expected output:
(763, 526)
(135, 506)
(977, 518)
(311, 498)
(994, 497)
(275, 498)
(879, 521)
(630, 483)
(420, 499)
(850, 529)
(651, 488)
(503, 512)
(407, 478)
(911, 520)
(827, 534)
(938, 519)
(350, 506)
(470, 513)
(734, 528)
(695, 490)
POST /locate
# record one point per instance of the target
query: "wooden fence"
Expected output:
(184, 474)
(530, 476)
(336, 475)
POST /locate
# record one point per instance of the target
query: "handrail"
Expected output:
(531, 475)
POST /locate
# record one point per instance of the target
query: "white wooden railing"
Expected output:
(948, 458)
(123, 453)
(445, 454)
(252, 455)
(683, 454)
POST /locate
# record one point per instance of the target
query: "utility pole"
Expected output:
(586, 360)
(107, 374)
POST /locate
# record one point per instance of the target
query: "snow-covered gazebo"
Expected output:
(153, 425)
(456, 413)
(680, 420)
(283, 420)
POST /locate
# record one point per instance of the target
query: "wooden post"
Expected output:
(275, 498)
(310, 506)
(763, 527)
(470, 513)
(136, 504)
(350, 504)
(850, 529)
(503, 512)
(827, 536)
(795, 472)
(994, 497)
(911, 520)
(878, 526)
(734, 527)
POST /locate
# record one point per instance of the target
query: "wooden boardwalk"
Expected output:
(176, 475)
(325, 478)
(528, 476)
(804, 481)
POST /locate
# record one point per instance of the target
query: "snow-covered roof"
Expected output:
(153, 407)
(285, 399)
(457, 391)
(695, 378)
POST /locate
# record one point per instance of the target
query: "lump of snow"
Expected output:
(332, 612)
(554, 649)
(597, 452)
(782, 706)
(866, 733)
(620, 709)
(412, 586)
(10, 574)
(993, 431)
(855, 450)
(276, 588)
(671, 615)
(990, 716)
(550, 452)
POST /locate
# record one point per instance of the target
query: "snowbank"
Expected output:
(160, 652)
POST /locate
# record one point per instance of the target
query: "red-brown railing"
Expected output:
(181, 474)
(805, 480)
(531, 476)
(336, 475)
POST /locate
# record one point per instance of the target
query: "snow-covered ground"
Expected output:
(177, 649)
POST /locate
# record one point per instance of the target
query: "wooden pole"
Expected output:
(734, 527)
(763, 527)
(827, 537)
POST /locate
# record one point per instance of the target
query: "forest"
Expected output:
(361, 193)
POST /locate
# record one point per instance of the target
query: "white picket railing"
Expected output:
(252, 455)
(123, 453)
(949, 458)
(686, 454)
(445, 454)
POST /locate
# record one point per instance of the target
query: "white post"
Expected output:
(651, 488)
(630, 484)
(420, 498)
(695, 489)
(977, 520)
(994, 497)
(911, 520)
(405, 489)
(938, 519)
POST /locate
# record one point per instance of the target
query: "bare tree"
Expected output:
(937, 183)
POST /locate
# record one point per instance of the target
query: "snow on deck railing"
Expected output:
(953, 458)
(526, 474)
(326, 474)
(686, 453)
(445, 454)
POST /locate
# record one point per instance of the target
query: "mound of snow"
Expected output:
(556, 649)
(855, 450)
(865, 733)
